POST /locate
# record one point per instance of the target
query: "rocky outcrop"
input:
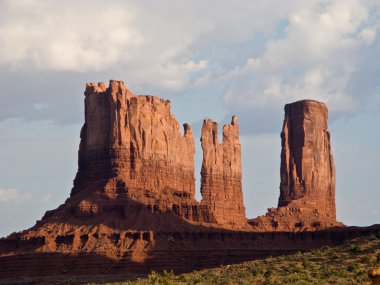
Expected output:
(132, 149)
(135, 141)
(132, 207)
(307, 189)
(307, 164)
(114, 252)
(134, 165)
(221, 186)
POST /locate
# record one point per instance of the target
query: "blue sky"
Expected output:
(211, 59)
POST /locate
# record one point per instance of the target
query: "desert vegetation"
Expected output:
(345, 264)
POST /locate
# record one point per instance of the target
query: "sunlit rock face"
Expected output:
(221, 173)
(307, 189)
(132, 207)
(307, 164)
(132, 149)
(134, 140)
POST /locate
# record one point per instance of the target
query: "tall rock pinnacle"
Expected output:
(307, 165)
(221, 174)
(307, 189)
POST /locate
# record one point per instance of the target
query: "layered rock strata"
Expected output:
(307, 189)
(307, 164)
(131, 252)
(221, 186)
(132, 207)
(134, 165)
(135, 141)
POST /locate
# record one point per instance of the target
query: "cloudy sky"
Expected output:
(211, 59)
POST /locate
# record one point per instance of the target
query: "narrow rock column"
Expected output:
(307, 165)
(221, 185)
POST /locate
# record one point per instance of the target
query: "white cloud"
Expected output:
(50, 35)
(368, 35)
(89, 36)
(255, 53)
(12, 195)
(164, 45)
(318, 57)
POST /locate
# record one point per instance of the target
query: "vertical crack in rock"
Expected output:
(221, 186)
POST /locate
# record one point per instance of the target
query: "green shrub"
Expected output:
(352, 267)
(365, 259)
(167, 278)
(361, 272)
(267, 273)
(357, 248)
(369, 260)
(341, 265)
(325, 248)
(255, 272)
(307, 264)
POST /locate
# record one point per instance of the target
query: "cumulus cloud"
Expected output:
(318, 57)
(164, 43)
(258, 55)
(64, 36)
(91, 36)
(12, 195)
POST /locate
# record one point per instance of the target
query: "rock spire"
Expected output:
(307, 164)
(221, 174)
(307, 189)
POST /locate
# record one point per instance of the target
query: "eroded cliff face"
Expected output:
(135, 141)
(136, 169)
(307, 164)
(132, 206)
(307, 189)
(221, 186)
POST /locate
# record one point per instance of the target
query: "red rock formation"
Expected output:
(137, 140)
(307, 164)
(134, 163)
(132, 207)
(307, 189)
(132, 148)
(221, 186)
(114, 252)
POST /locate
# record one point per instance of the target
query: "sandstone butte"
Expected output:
(132, 207)
(307, 189)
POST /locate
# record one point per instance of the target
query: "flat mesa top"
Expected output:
(306, 103)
